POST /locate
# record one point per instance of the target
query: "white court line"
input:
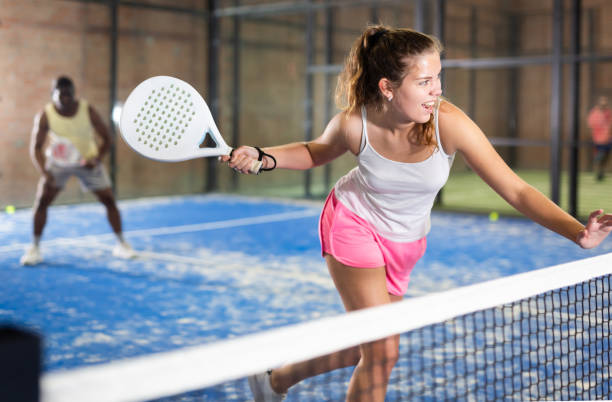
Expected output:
(198, 227)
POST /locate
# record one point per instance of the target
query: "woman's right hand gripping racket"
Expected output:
(167, 120)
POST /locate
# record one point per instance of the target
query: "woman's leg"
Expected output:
(359, 288)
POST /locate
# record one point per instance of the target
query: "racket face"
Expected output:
(166, 119)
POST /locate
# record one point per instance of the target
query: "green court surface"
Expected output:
(465, 191)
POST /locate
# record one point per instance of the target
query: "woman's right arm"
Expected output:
(300, 155)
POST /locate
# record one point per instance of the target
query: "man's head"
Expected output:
(62, 92)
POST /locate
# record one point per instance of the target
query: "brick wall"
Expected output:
(40, 39)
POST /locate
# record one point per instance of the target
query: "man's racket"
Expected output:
(167, 120)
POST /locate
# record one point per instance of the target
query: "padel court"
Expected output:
(215, 267)
(228, 280)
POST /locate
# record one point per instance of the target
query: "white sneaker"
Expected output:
(262, 390)
(124, 250)
(32, 256)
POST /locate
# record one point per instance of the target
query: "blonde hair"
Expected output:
(380, 52)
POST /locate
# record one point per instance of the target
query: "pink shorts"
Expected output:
(354, 242)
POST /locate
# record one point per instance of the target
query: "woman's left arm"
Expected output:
(459, 133)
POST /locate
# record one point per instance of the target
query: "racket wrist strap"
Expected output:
(261, 156)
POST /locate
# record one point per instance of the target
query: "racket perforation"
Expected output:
(156, 105)
(165, 121)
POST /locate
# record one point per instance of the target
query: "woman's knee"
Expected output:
(384, 352)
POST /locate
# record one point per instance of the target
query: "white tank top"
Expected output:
(394, 197)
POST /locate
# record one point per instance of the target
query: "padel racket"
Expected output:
(167, 120)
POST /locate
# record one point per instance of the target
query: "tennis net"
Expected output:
(544, 334)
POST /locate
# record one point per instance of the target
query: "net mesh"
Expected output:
(547, 344)
(551, 346)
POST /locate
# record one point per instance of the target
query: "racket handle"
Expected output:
(256, 167)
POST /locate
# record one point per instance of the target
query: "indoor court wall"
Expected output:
(264, 92)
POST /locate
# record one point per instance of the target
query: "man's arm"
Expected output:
(102, 132)
(37, 142)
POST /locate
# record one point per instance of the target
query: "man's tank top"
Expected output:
(77, 129)
(395, 197)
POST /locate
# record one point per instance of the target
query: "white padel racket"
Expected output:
(167, 120)
(63, 153)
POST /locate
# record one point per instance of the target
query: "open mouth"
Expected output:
(429, 105)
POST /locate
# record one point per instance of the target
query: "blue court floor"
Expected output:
(216, 266)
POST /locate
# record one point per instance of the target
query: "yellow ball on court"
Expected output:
(10, 209)
(493, 216)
